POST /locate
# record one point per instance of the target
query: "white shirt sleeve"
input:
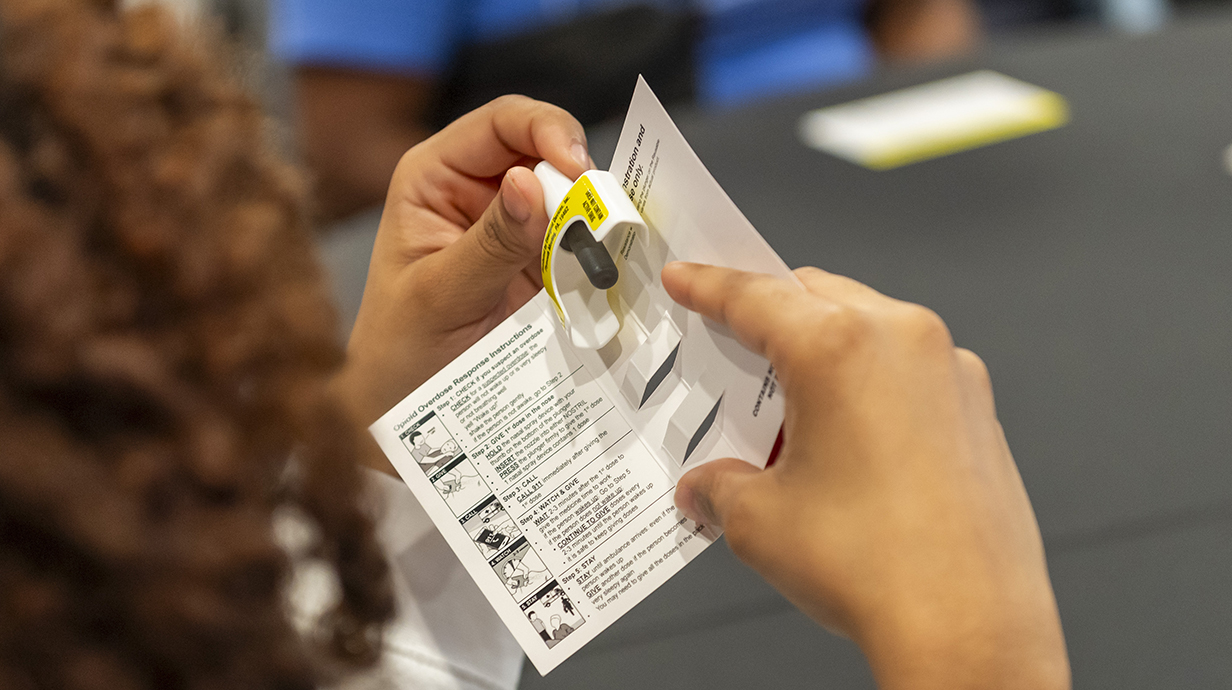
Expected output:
(445, 635)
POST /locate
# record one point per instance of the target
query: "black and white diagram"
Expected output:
(460, 485)
(552, 614)
(491, 527)
(520, 569)
(430, 443)
(548, 452)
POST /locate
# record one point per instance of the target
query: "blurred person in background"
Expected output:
(180, 499)
(374, 77)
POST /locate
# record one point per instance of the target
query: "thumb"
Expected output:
(708, 493)
(479, 267)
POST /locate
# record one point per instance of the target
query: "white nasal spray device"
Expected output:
(593, 225)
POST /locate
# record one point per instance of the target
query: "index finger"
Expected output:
(757, 307)
(488, 141)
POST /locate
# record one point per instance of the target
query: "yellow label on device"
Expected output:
(581, 201)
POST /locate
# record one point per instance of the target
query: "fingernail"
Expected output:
(580, 156)
(514, 200)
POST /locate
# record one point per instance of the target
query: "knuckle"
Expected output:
(496, 239)
(925, 329)
(809, 275)
(409, 161)
(821, 282)
(509, 100)
(846, 327)
(974, 369)
(837, 332)
(748, 295)
(552, 111)
(733, 297)
(533, 108)
(422, 287)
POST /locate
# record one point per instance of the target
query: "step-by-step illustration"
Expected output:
(437, 453)
(520, 569)
(430, 443)
(460, 485)
(491, 527)
(552, 614)
(547, 453)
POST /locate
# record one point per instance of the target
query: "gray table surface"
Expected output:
(1091, 267)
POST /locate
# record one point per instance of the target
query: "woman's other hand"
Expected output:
(895, 514)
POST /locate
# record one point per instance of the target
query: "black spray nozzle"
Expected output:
(592, 255)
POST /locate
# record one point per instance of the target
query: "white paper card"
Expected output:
(551, 471)
(933, 119)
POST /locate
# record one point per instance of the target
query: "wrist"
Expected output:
(1000, 646)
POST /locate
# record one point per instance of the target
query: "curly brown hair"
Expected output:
(165, 351)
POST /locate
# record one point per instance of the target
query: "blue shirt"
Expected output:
(748, 48)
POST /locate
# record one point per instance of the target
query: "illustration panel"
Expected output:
(460, 485)
(491, 527)
(430, 443)
(552, 614)
(520, 569)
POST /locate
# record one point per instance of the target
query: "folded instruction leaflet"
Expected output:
(551, 470)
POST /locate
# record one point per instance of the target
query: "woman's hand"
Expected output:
(458, 247)
(895, 513)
